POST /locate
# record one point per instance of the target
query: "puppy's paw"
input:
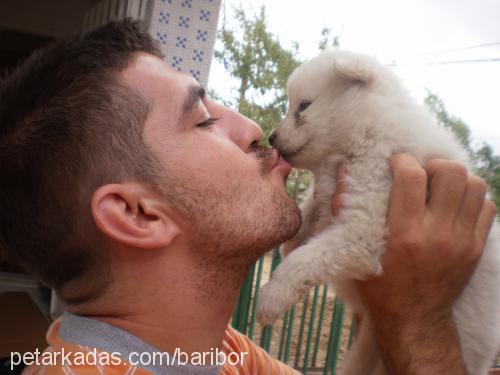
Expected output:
(370, 269)
(273, 302)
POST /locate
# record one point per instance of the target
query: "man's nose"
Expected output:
(272, 138)
(240, 129)
(243, 131)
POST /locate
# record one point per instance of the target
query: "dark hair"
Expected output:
(67, 126)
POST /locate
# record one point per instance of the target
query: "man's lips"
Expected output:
(271, 160)
(281, 163)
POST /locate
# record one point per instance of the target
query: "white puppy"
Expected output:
(346, 107)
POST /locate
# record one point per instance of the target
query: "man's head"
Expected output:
(105, 151)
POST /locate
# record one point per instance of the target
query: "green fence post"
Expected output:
(247, 298)
(320, 325)
(267, 332)
(352, 331)
(236, 313)
(301, 330)
(283, 334)
(289, 334)
(265, 337)
(241, 313)
(244, 321)
(256, 296)
(335, 337)
(311, 328)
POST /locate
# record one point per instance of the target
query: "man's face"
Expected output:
(229, 192)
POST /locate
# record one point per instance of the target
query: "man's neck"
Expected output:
(173, 312)
(196, 327)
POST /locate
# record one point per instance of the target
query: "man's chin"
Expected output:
(289, 221)
(281, 226)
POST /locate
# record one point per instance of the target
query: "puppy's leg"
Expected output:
(343, 251)
(349, 249)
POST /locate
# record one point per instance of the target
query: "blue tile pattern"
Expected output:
(205, 15)
(161, 37)
(177, 62)
(186, 30)
(164, 18)
(198, 55)
(181, 41)
(184, 22)
(202, 35)
(195, 74)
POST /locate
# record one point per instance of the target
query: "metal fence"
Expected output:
(310, 337)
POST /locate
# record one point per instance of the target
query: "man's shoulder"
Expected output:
(239, 355)
(250, 357)
(79, 360)
(63, 357)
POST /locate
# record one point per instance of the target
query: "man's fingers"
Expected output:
(485, 222)
(448, 183)
(340, 189)
(409, 188)
(473, 203)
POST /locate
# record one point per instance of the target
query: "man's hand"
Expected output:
(337, 204)
(435, 240)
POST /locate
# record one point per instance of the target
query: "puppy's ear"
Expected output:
(357, 69)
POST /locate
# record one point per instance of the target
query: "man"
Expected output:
(144, 204)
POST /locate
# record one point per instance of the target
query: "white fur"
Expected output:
(360, 114)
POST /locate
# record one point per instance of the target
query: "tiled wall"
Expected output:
(184, 29)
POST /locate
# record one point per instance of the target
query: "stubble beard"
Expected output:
(225, 249)
(228, 235)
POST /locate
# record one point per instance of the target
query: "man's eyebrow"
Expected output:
(195, 94)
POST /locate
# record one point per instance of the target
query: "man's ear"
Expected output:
(358, 69)
(133, 215)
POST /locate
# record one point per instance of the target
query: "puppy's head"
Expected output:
(326, 96)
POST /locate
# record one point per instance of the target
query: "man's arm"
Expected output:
(433, 247)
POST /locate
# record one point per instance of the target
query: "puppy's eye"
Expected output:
(303, 105)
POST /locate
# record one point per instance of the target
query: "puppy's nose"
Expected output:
(272, 138)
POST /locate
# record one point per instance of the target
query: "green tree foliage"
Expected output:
(488, 167)
(255, 57)
(460, 128)
(486, 163)
(327, 40)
